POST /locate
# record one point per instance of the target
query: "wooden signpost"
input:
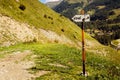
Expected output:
(82, 18)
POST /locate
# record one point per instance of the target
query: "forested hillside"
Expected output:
(69, 8)
(105, 17)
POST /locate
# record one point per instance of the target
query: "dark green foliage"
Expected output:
(103, 14)
(52, 23)
(112, 13)
(62, 30)
(50, 18)
(68, 9)
(45, 16)
(22, 7)
(106, 32)
(99, 19)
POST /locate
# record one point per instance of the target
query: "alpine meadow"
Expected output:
(36, 43)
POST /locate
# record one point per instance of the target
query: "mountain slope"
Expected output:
(69, 8)
(53, 4)
(104, 14)
(104, 9)
(52, 40)
(38, 16)
(96, 8)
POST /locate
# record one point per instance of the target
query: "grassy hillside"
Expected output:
(64, 62)
(104, 14)
(60, 60)
(76, 1)
(38, 15)
(105, 18)
(69, 8)
(53, 4)
(104, 9)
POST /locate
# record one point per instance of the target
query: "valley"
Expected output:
(36, 43)
(105, 20)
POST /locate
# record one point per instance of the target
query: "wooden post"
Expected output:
(83, 43)
(82, 18)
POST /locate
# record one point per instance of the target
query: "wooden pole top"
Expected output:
(82, 12)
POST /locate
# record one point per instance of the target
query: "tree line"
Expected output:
(103, 31)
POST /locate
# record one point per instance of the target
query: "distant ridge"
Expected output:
(53, 4)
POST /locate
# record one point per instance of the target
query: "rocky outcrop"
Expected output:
(116, 45)
(12, 32)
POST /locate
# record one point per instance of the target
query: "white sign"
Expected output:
(79, 18)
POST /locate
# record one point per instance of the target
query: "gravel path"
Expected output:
(13, 67)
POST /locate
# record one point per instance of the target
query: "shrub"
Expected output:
(112, 13)
(62, 30)
(22, 7)
(45, 16)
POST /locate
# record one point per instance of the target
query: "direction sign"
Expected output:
(79, 18)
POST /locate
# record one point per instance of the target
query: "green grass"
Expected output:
(117, 12)
(101, 7)
(76, 1)
(99, 67)
(40, 16)
(116, 42)
(36, 14)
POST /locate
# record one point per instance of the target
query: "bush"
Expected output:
(62, 30)
(112, 13)
(22, 7)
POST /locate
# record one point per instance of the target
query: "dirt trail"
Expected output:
(13, 67)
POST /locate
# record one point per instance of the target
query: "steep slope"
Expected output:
(104, 14)
(38, 22)
(104, 9)
(26, 24)
(100, 9)
(53, 4)
(69, 8)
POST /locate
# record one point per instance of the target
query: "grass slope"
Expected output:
(76, 1)
(64, 62)
(117, 13)
(104, 9)
(40, 16)
(68, 59)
